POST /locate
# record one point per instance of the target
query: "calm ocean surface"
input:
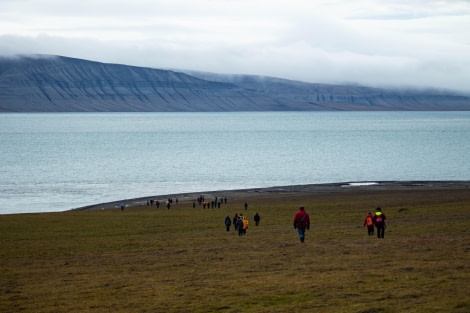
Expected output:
(59, 161)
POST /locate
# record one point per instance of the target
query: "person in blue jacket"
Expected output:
(228, 223)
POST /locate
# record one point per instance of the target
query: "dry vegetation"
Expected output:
(182, 260)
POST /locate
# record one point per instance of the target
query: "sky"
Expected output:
(382, 43)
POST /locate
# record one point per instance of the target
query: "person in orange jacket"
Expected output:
(301, 222)
(369, 222)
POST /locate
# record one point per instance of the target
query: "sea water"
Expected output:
(59, 161)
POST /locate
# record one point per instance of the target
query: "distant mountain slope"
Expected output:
(344, 97)
(61, 84)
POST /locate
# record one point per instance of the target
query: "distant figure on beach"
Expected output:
(122, 206)
(246, 206)
(257, 218)
(228, 222)
(301, 222)
(369, 222)
(379, 221)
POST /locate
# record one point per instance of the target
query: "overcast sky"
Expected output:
(377, 43)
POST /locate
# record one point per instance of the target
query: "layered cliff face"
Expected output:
(68, 85)
(60, 84)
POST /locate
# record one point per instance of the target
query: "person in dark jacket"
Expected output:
(301, 222)
(257, 218)
(379, 221)
(235, 220)
(228, 222)
(241, 231)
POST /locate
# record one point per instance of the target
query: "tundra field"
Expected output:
(145, 259)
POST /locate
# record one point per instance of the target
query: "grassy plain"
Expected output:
(183, 260)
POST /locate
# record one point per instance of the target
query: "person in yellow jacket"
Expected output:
(242, 225)
(245, 225)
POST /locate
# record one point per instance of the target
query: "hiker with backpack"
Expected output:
(228, 222)
(239, 224)
(235, 221)
(245, 224)
(369, 222)
(379, 221)
(301, 222)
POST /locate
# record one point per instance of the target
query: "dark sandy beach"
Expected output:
(343, 188)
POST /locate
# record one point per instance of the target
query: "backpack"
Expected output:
(379, 219)
(369, 221)
(302, 223)
(245, 224)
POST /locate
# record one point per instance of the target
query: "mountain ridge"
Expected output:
(44, 83)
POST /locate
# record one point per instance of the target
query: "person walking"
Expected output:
(369, 222)
(301, 222)
(240, 226)
(245, 224)
(379, 221)
(235, 221)
(257, 218)
(228, 222)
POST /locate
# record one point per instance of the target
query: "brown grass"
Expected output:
(182, 260)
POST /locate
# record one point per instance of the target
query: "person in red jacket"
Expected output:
(369, 222)
(301, 222)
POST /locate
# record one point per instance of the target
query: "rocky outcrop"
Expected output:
(61, 84)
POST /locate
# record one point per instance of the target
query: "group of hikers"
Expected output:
(210, 204)
(168, 202)
(200, 200)
(240, 223)
(301, 218)
(302, 223)
(377, 220)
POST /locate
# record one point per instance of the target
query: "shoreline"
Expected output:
(340, 187)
